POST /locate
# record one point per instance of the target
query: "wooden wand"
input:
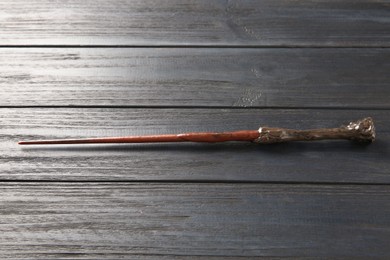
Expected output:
(362, 130)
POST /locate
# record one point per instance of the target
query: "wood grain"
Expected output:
(170, 66)
(323, 161)
(200, 77)
(204, 22)
(90, 220)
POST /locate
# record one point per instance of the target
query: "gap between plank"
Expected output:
(202, 46)
(202, 107)
(202, 182)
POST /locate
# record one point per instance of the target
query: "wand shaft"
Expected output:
(248, 135)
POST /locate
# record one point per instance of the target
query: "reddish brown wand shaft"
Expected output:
(361, 130)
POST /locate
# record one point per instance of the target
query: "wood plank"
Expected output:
(204, 77)
(87, 220)
(324, 161)
(195, 22)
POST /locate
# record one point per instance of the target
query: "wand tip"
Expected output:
(28, 142)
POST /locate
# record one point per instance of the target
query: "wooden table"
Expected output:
(72, 69)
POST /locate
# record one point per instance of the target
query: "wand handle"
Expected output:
(362, 130)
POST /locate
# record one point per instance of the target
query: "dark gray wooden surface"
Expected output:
(239, 77)
(196, 22)
(328, 161)
(106, 68)
(95, 220)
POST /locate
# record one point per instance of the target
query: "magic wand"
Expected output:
(362, 130)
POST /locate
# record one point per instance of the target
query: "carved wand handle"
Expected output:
(362, 130)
